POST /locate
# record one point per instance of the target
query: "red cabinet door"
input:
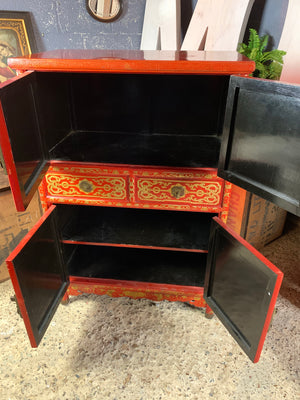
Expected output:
(38, 274)
(260, 148)
(21, 138)
(241, 287)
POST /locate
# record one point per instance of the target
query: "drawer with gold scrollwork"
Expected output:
(71, 183)
(195, 189)
(198, 189)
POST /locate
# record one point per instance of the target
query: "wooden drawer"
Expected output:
(191, 189)
(65, 183)
(144, 187)
(179, 191)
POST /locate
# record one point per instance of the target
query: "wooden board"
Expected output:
(4, 184)
(161, 29)
(290, 42)
(217, 25)
(256, 220)
(14, 226)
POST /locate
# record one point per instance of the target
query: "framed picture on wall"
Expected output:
(16, 39)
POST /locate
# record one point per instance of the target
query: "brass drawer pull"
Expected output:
(86, 186)
(177, 191)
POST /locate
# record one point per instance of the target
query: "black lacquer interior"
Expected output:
(183, 230)
(171, 120)
(134, 227)
(140, 265)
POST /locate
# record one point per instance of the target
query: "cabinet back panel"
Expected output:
(172, 120)
(149, 103)
(140, 265)
(55, 106)
(135, 227)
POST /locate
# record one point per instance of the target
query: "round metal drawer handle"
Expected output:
(86, 186)
(177, 191)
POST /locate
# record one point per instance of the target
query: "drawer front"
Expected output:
(125, 186)
(85, 185)
(179, 191)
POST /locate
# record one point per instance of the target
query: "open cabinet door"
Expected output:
(20, 137)
(241, 287)
(38, 275)
(260, 148)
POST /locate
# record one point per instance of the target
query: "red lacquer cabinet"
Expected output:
(130, 151)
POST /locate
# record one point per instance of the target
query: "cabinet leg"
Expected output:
(65, 299)
(208, 312)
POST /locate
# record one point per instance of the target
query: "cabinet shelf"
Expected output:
(145, 228)
(139, 265)
(139, 149)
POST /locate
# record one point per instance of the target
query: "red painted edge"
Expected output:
(14, 278)
(100, 63)
(10, 163)
(273, 268)
(79, 164)
(268, 317)
(136, 246)
(96, 203)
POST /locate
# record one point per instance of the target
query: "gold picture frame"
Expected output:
(16, 39)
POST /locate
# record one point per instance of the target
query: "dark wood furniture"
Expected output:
(142, 134)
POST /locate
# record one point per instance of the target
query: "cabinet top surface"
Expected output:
(136, 61)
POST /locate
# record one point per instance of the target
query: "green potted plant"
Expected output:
(268, 63)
